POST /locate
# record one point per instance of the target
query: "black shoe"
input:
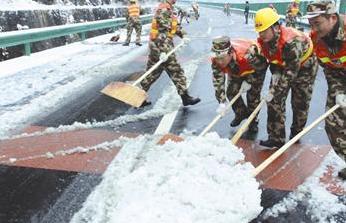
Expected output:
(138, 44)
(145, 103)
(253, 128)
(238, 119)
(292, 136)
(188, 100)
(126, 44)
(342, 174)
(271, 143)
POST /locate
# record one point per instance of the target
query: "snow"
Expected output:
(197, 180)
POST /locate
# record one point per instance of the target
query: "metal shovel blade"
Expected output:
(127, 93)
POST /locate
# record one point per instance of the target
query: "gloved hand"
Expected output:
(269, 97)
(341, 100)
(275, 78)
(221, 109)
(163, 57)
(186, 40)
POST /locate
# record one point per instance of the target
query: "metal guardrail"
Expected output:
(26, 37)
(251, 12)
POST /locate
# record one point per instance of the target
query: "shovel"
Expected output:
(130, 93)
(275, 155)
(244, 88)
(245, 126)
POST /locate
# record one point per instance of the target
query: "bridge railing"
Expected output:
(26, 37)
(239, 11)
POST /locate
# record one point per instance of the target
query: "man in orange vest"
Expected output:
(293, 66)
(163, 28)
(133, 22)
(232, 64)
(329, 37)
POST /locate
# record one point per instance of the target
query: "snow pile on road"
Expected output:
(197, 180)
(322, 205)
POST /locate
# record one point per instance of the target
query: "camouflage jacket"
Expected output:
(164, 21)
(292, 52)
(255, 59)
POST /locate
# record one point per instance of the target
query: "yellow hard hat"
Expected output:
(265, 18)
(297, 1)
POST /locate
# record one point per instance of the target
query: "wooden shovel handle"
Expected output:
(275, 155)
(218, 117)
(244, 127)
(158, 63)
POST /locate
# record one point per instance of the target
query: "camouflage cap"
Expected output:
(221, 43)
(133, 1)
(320, 7)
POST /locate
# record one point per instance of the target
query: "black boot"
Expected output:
(126, 44)
(342, 174)
(138, 44)
(238, 119)
(253, 128)
(145, 103)
(271, 143)
(292, 136)
(188, 100)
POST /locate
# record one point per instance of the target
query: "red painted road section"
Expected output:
(286, 173)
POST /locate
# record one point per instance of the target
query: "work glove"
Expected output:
(341, 100)
(186, 40)
(269, 97)
(221, 109)
(163, 57)
(275, 78)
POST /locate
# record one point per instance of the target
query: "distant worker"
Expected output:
(133, 22)
(292, 13)
(247, 11)
(329, 37)
(272, 7)
(181, 14)
(195, 9)
(163, 28)
(233, 63)
(293, 66)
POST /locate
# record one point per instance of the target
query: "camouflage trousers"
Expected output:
(291, 22)
(171, 66)
(335, 124)
(253, 96)
(301, 90)
(134, 23)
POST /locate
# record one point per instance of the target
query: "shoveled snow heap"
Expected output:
(201, 179)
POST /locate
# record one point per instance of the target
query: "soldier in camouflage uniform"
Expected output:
(133, 22)
(164, 27)
(292, 13)
(329, 37)
(233, 63)
(293, 66)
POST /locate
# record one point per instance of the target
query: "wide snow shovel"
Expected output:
(244, 88)
(130, 93)
(245, 126)
(275, 155)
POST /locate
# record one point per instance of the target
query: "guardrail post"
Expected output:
(27, 49)
(83, 36)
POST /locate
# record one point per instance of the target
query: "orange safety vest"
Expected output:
(287, 34)
(154, 32)
(294, 10)
(337, 60)
(240, 47)
(133, 10)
